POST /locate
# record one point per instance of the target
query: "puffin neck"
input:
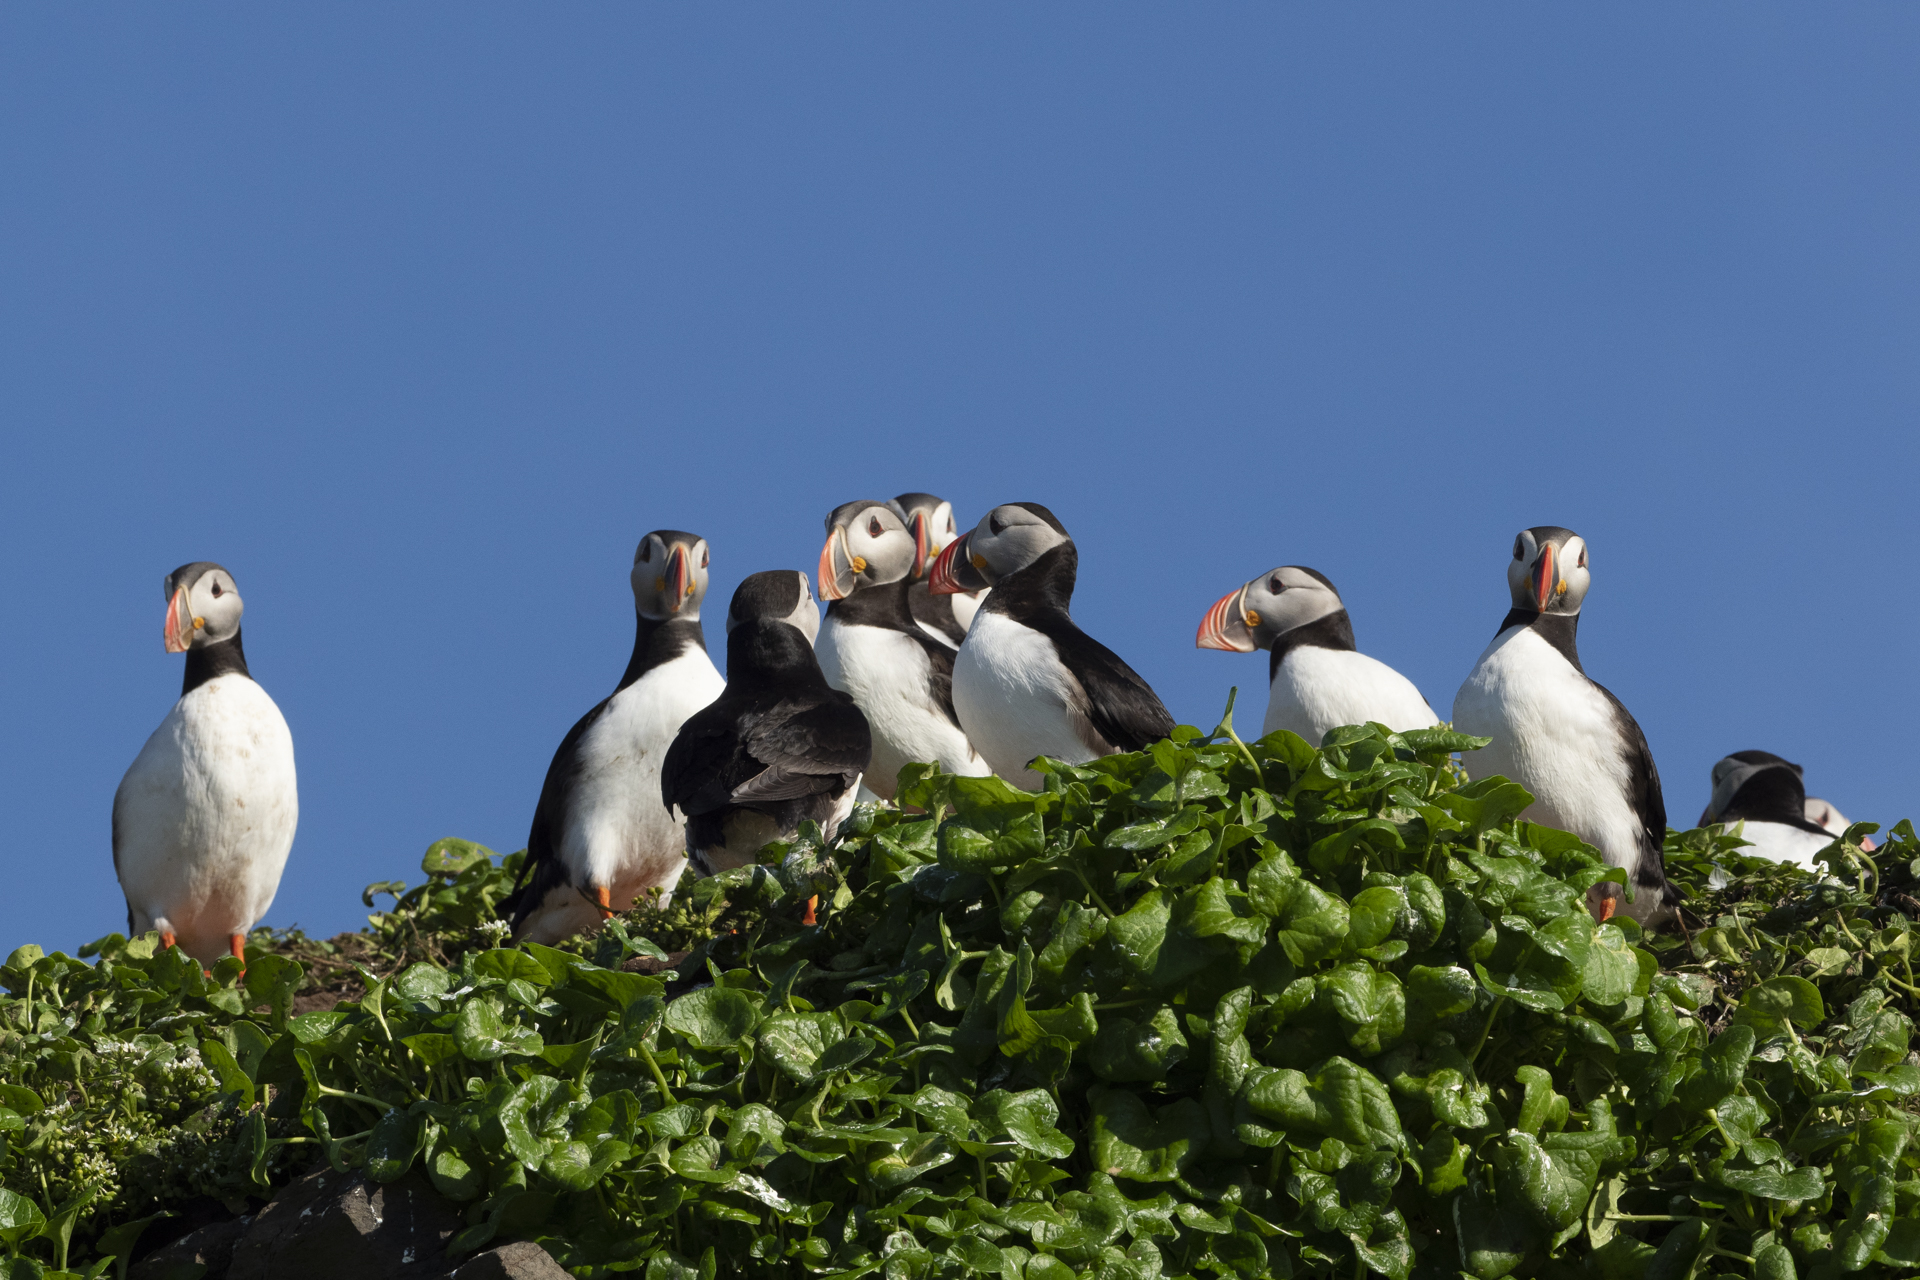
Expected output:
(1335, 631)
(1045, 586)
(885, 605)
(211, 661)
(764, 655)
(658, 641)
(1557, 629)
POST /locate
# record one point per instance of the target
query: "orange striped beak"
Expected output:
(679, 577)
(1225, 626)
(922, 543)
(838, 565)
(180, 623)
(1543, 578)
(954, 572)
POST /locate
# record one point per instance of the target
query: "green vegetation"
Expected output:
(1214, 1008)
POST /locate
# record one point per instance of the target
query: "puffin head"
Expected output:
(1756, 781)
(868, 545)
(1548, 573)
(930, 521)
(775, 595)
(1007, 540)
(1265, 609)
(670, 575)
(203, 606)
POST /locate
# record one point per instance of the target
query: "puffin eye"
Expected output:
(994, 525)
(1583, 558)
(646, 552)
(1518, 550)
(705, 555)
(216, 591)
(873, 527)
(1275, 585)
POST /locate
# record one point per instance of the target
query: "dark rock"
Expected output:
(210, 1248)
(648, 965)
(522, 1260)
(332, 1224)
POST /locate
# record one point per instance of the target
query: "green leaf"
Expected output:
(1612, 967)
(1445, 991)
(1721, 1069)
(1129, 1141)
(796, 1042)
(392, 1145)
(714, 1017)
(1127, 1050)
(484, 1035)
(1341, 1100)
(1370, 1001)
(20, 1218)
(1768, 1006)
(1770, 1184)
(1310, 923)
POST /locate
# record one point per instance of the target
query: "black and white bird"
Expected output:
(1317, 679)
(930, 520)
(1559, 734)
(204, 819)
(1762, 799)
(779, 747)
(1027, 682)
(870, 646)
(601, 838)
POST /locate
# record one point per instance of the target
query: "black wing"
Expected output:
(1124, 708)
(707, 760)
(543, 870)
(936, 612)
(811, 748)
(1643, 793)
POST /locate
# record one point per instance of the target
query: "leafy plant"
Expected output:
(1214, 1008)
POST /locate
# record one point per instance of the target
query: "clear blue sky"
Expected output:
(417, 317)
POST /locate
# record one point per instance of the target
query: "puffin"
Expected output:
(779, 747)
(1560, 734)
(1027, 682)
(871, 646)
(1762, 799)
(1317, 679)
(204, 818)
(601, 839)
(930, 520)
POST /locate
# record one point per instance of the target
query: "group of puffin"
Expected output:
(958, 649)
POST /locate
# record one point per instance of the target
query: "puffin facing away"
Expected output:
(870, 646)
(1318, 680)
(601, 838)
(1762, 799)
(203, 820)
(1560, 735)
(930, 521)
(779, 747)
(1027, 682)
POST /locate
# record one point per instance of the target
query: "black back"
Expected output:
(778, 740)
(655, 644)
(1123, 707)
(890, 607)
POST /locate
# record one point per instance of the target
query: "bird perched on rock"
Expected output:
(1317, 679)
(930, 521)
(1763, 800)
(1027, 681)
(870, 646)
(601, 837)
(779, 747)
(203, 820)
(1559, 734)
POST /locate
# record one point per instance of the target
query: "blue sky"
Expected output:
(418, 318)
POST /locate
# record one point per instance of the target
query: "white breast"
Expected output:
(1553, 733)
(1317, 689)
(618, 831)
(1015, 698)
(889, 675)
(1783, 843)
(204, 818)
